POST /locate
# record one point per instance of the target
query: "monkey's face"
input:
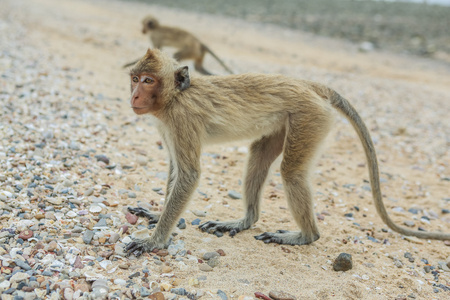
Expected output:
(144, 93)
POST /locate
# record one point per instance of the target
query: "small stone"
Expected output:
(222, 295)
(214, 262)
(132, 219)
(114, 237)
(166, 269)
(124, 229)
(26, 234)
(199, 213)
(209, 255)
(196, 222)
(234, 195)
(87, 236)
(179, 291)
(409, 223)
(280, 295)
(181, 224)
(52, 246)
(102, 158)
(205, 268)
(156, 296)
(221, 252)
(343, 262)
(19, 276)
(132, 195)
(68, 294)
(162, 252)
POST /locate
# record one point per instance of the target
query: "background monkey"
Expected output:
(283, 115)
(189, 47)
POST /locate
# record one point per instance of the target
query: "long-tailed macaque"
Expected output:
(189, 47)
(283, 115)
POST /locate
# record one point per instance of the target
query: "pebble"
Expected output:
(181, 224)
(157, 296)
(222, 295)
(87, 236)
(114, 238)
(343, 262)
(209, 255)
(131, 218)
(409, 223)
(205, 268)
(196, 222)
(234, 195)
(26, 234)
(280, 295)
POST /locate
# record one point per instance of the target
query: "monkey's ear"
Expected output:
(149, 53)
(182, 80)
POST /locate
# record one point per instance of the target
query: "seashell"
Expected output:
(141, 234)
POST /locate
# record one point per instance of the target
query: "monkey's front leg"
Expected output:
(184, 183)
(153, 218)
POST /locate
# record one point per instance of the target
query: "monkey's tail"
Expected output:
(342, 105)
(218, 59)
(130, 63)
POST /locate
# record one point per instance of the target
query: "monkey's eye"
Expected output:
(135, 79)
(148, 80)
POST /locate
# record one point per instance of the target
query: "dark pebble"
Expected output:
(103, 158)
(349, 215)
(179, 291)
(181, 224)
(196, 222)
(9, 291)
(222, 295)
(425, 261)
(134, 275)
(413, 211)
(343, 262)
(356, 208)
(21, 285)
(427, 269)
(445, 211)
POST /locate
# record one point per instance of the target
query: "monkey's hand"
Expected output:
(143, 212)
(139, 246)
(218, 228)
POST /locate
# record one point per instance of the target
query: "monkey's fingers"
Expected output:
(143, 212)
(134, 248)
(268, 237)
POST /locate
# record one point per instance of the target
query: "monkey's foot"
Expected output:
(143, 212)
(287, 238)
(139, 246)
(215, 227)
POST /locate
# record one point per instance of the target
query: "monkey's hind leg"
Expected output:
(304, 136)
(262, 154)
(143, 212)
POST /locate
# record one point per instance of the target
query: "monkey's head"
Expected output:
(155, 80)
(149, 23)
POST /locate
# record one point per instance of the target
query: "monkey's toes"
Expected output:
(268, 237)
(134, 248)
(218, 229)
(143, 212)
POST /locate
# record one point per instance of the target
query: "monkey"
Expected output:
(282, 115)
(189, 47)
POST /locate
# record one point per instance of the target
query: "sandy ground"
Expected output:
(404, 101)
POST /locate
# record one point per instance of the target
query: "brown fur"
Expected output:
(286, 116)
(189, 47)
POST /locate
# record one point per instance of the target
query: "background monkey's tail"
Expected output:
(218, 59)
(343, 106)
(130, 63)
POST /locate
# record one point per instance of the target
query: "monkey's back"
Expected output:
(268, 99)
